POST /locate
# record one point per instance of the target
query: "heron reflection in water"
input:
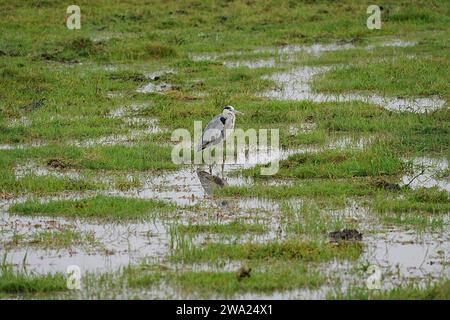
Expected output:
(210, 182)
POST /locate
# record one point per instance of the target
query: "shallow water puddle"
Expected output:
(120, 243)
(393, 43)
(296, 85)
(406, 252)
(427, 173)
(286, 54)
(409, 254)
(184, 187)
(313, 49)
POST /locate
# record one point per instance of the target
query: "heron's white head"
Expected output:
(231, 110)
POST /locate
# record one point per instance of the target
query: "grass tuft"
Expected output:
(15, 282)
(102, 207)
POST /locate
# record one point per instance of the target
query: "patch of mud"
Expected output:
(56, 163)
(296, 85)
(427, 173)
(345, 235)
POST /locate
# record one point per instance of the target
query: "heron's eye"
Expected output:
(227, 108)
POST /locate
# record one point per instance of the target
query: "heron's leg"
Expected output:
(223, 166)
(210, 169)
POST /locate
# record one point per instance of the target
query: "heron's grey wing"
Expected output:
(213, 133)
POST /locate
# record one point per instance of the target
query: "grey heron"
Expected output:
(218, 129)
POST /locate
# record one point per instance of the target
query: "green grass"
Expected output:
(437, 291)
(275, 276)
(102, 207)
(273, 279)
(272, 250)
(308, 219)
(17, 282)
(54, 239)
(433, 201)
(421, 76)
(234, 227)
(39, 185)
(142, 275)
(308, 138)
(420, 208)
(62, 239)
(375, 160)
(320, 188)
(143, 156)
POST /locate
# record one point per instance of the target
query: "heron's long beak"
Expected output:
(237, 111)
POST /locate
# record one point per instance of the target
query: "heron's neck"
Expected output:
(228, 114)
